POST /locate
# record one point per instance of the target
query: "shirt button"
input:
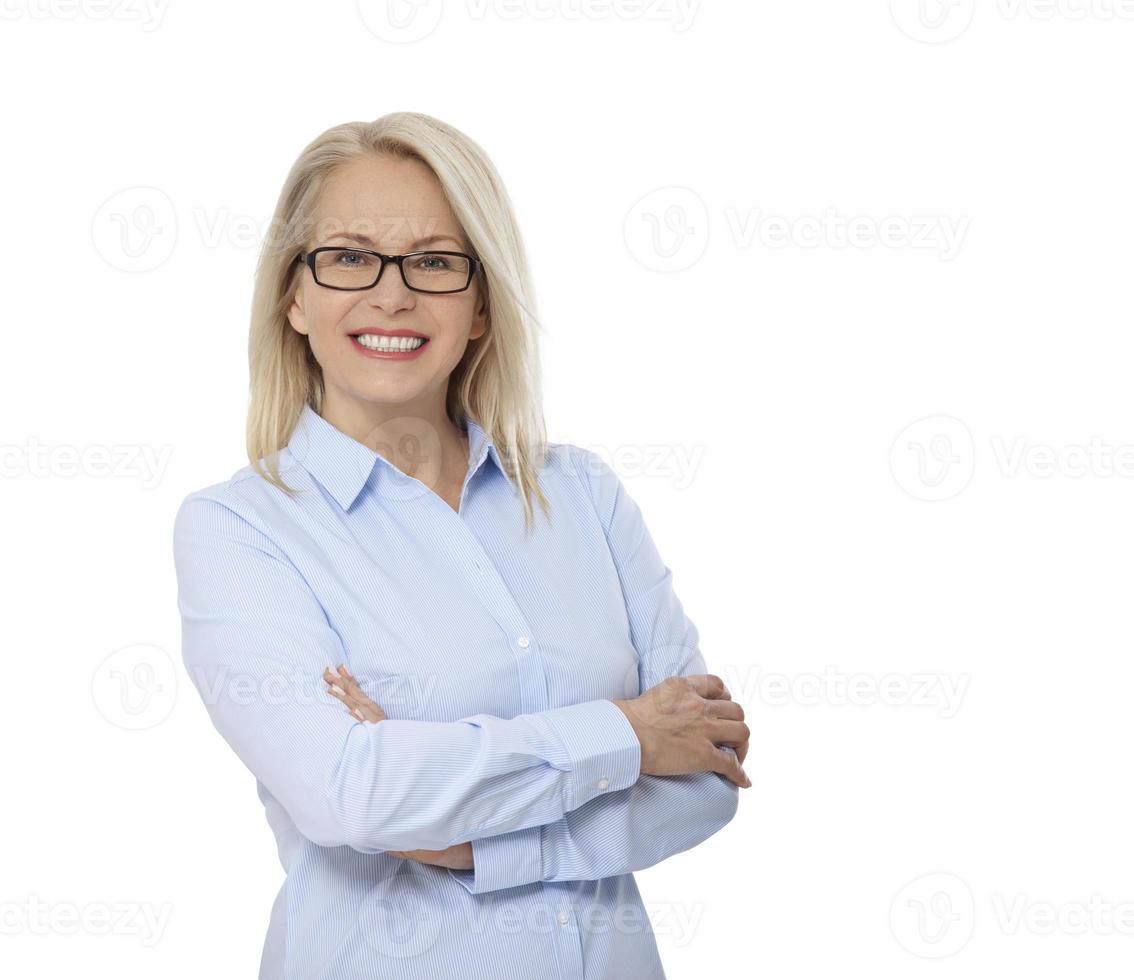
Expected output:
(603, 783)
(564, 917)
(524, 642)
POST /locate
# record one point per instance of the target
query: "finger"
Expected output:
(337, 692)
(335, 681)
(349, 692)
(722, 708)
(724, 732)
(369, 710)
(362, 712)
(728, 765)
(709, 686)
(353, 688)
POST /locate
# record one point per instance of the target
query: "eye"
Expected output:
(433, 263)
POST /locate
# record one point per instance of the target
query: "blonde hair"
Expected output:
(497, 380)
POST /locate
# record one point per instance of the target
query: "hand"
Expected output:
(681, 723)
(346, 689)
(459, 857)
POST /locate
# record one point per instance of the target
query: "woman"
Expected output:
(528, 718)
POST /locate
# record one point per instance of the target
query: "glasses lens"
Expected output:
(346, 268)
(437, 272)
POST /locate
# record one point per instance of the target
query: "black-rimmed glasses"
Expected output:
(359, 268)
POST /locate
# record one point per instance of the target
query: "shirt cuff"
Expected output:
(605, 753)
(503, 861)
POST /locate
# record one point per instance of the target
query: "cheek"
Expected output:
(454, 320)
(325, 316)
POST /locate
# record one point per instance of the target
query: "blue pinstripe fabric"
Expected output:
(495, 656)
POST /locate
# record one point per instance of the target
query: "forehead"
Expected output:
(392, 202)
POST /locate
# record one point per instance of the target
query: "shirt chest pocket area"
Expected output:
(411, 684)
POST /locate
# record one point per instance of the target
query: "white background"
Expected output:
(842, 290)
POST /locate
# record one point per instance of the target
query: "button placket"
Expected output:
(480, 571)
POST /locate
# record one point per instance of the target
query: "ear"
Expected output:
(480, 320)
(295, 314)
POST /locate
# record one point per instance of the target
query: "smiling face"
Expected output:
(391, 206)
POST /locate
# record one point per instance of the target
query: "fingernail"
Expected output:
(337, 690)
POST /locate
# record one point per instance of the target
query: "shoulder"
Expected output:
(242, 505)
(587, 470)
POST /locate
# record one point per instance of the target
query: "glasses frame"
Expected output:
(308, 259)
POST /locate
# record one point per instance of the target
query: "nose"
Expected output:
(390, 291)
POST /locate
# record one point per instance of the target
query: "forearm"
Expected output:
(405, 785)
(623, 832)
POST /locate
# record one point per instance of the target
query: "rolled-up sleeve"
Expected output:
(658, 816)
(256, 641)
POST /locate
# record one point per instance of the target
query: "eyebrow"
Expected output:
(428, 240)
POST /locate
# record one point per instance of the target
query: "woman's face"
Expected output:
(390, 206)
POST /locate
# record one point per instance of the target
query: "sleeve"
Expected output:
(657, 816)
(255, 641)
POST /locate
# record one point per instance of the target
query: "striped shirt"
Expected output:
(494, 655)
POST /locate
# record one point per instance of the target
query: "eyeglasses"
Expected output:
(359, 268)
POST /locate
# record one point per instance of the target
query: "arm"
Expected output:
(256, 641)
(658, 816)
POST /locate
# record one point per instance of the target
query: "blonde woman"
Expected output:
(469, 722)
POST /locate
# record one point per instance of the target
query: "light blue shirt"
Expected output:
(495, 656)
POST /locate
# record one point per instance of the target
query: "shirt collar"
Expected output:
(343, 465)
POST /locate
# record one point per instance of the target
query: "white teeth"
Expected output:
(376, 342)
